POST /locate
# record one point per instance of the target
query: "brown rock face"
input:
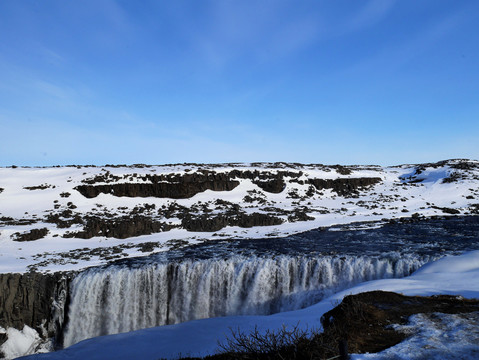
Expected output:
(345, 186)
(173, 187)
(215, 223)
(31, 235)
(184, 186)
(32, 299)
(160, 190)
(120, 228)
(274, 186)
(375, 311)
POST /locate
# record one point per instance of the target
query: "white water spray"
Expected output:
(120, 299)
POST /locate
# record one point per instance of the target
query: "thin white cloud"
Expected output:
(50, 56)
(51, 89)
(291, 38)
(371, 13)
(253, 31)
(395, 56)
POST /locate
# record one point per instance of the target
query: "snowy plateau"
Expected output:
(152, 262)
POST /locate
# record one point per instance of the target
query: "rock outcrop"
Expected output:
(182, 186)
(160, 190)
(215, 223)
(345, 186)
(120, 228)
(34, 299)
(31, 235)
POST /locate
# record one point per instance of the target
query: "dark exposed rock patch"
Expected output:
(342, 169)
(458, 164)
(254, 198)
(64, 219)
(274, 186)
(376, 310)
(183, 186)
(160, 190)
(465, 164)
(39, 187)
(454, 177)
(214, 223)
(1, 190)
(146, 219)
(33, 299)
(447, 210)
(120, 227)
(31, 235)
(345, 186)
(299, 215)
(107, 177)
(6, 220)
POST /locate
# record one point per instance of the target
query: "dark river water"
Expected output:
(449, 235)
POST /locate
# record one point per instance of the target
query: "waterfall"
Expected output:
(119, 299)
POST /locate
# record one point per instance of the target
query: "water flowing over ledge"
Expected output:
(120, 298)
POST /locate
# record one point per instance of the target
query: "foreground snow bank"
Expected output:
(435, 336)
(451, 275)
(21, 342)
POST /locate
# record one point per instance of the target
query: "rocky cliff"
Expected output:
(36, 300)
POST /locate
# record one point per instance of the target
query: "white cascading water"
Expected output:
(120, 299)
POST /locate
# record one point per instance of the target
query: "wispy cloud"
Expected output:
(50, 89)
(396, 55)
(253, 31)
(265, 31)
(371, 13)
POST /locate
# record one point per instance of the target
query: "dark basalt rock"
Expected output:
(120, 228)
(160, 190)
(39, 187)
(31, 235)
(454, 177)
(64, 219)
(184, 186)
(465, 165)
(376, 311)
(274, 186)
(6, 220)
(342, 170)
(33, 299)
(345, 186)
(206, 223)
(447, 210)
(256, 219)
(299, 215)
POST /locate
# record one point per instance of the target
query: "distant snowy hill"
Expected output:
(68, 218)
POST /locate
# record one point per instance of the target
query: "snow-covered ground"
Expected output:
(432, 337)
(435, 336)
(42, 213)
(29, 197)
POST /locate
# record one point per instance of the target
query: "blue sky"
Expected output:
(368, 82)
